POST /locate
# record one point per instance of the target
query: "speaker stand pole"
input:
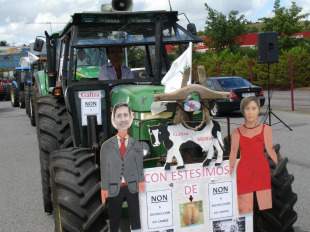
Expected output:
(269, 107)
(269, 97)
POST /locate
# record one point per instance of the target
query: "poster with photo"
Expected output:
(195, 198)
(229, 225)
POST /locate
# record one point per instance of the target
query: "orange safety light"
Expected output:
(57, 91)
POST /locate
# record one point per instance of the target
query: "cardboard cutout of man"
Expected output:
(122, 176)
(253, 172)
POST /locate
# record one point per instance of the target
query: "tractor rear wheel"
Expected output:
(75, 182)
(282, 215)
(21, 97)
(7, 93)
(14, 95)
(53, 133)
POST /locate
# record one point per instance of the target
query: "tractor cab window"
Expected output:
(25, 75)
(87, 62)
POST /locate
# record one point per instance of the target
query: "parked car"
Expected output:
(239, 89)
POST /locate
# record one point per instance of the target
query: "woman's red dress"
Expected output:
(253, 172)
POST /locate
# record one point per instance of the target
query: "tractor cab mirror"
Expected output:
(191, 27)
(38, 45)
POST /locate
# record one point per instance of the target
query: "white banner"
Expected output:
(195, 198)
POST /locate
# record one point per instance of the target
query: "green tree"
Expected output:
(3, 43)
(286, 23)
(224, 32)
(135, 57)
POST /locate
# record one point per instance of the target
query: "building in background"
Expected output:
(10, 56)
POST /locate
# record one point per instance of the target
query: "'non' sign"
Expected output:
(220, 190)
(159, 198)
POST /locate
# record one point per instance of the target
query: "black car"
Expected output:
(239, 89)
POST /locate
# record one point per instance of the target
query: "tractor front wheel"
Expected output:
(75, 182)
(27, 99)
(53, 133)
(32, 107)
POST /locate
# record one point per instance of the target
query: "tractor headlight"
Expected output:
(146, 149)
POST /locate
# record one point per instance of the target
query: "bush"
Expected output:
(279, 73)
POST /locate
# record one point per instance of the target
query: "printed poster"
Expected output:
(195, 198)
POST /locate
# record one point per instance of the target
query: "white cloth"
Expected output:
(173, 79)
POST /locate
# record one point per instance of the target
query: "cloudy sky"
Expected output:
(21, 21)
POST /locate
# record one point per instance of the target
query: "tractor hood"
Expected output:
(87, 72)
(139, 97)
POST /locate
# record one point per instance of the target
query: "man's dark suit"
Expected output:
(113, 168)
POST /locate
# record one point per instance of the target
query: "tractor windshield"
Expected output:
(126, 34)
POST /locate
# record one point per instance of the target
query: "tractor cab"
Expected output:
(144, 39)
(22, 76)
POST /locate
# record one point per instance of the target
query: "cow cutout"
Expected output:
(173, 136)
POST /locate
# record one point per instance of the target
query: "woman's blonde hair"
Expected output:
(245, 101)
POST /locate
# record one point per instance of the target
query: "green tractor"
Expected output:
(36, 67)
(73, 108)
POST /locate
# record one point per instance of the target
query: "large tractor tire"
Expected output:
(282, 215)
(32, 114)
(21, 98)
(14, 95)
(27, 100)
(53, 132)
(7, 93)
(75, 181)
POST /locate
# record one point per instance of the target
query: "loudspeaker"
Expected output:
(267, 47)
(117, 5)
(122, 5)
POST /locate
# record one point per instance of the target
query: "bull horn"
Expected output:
(185, 78)
(202, 75)
(203, 92)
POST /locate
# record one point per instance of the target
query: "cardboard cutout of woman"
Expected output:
(253, 171)
(121, 159)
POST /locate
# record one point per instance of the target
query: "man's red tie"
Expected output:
(122, 149)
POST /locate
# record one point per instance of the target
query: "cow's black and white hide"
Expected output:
(173, 136)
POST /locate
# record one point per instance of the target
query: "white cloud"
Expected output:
(21, 21)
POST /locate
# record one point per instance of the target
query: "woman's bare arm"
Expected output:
(234, 149)
(269, 144)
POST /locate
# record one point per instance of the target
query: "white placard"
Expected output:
(220, 200)
(159, 209)
(91, 105)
